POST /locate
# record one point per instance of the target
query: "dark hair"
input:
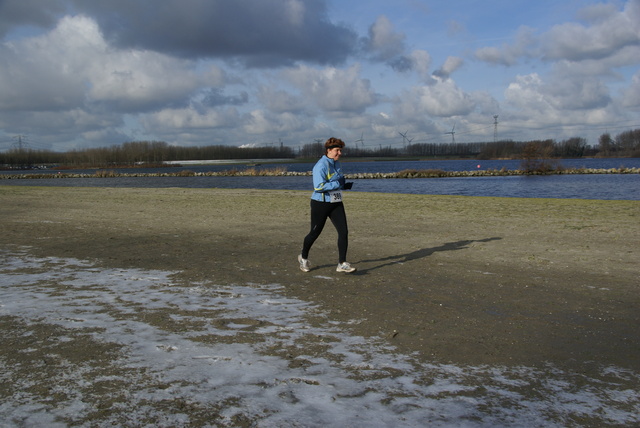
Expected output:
(332, 143)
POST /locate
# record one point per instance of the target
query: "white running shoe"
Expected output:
(345, 267)
(304, 264)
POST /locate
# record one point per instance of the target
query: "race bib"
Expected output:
(335, 196)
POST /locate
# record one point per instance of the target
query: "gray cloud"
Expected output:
(98, 72)
(384, 43)
(215, 97)
(631, 97)
(258, 33)
(450, 65)
(280, 101)
(14, 13)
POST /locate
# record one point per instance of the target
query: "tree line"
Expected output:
(625, 144)
(140, 153)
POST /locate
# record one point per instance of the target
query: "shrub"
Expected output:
(105, 173)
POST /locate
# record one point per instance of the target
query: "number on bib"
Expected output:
(335, 196)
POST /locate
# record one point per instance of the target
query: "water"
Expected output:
(463, 165)
(588, 186)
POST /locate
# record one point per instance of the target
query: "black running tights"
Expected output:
(320, 211)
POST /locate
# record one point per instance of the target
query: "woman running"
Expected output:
(326, 202)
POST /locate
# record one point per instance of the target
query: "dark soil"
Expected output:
(466, 280)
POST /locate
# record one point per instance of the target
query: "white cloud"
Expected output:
(111, 73)
(333, 90)
(568, 107)
(73, 66)
(608, 31)
(571, 88)
(47, 72)
(509, 54)
(86, 86)
(631, 95)
(421, 61)
(525, 93)
(441, 99)
(605, 33)
(582, 63)
(261, 122)
(187, 118)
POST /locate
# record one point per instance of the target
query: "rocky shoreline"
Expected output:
(281, 172)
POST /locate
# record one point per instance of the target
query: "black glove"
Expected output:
(341, 180)
(348, 186)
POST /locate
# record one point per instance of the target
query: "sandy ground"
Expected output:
(465, 280)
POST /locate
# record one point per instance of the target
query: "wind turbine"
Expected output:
(404, 137)
(453, 133)
(361, 140)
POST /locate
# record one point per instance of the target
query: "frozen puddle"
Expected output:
(114, 347)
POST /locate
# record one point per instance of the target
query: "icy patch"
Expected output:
(222, 355)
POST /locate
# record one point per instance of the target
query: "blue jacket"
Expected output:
(327, 176)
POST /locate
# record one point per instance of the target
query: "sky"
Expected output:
(168, 347)
(78, 74)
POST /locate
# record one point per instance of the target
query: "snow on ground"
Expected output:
(227, 354)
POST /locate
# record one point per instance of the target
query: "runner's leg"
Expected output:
(319, 213)
(338, 217)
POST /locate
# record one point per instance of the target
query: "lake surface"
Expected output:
(582, 186)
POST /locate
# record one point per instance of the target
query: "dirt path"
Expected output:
(453, 279)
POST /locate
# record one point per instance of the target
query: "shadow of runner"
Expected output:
(419, 254)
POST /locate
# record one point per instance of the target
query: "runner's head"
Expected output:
(333, 148)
